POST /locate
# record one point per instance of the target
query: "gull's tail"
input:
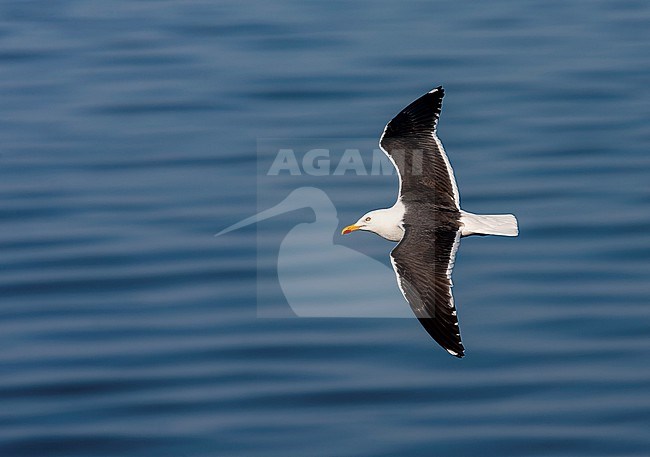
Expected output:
(483, 224)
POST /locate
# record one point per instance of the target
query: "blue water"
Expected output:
(128, 137)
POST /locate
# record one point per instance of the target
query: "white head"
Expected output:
(386, 223)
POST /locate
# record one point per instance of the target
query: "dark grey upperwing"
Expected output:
(423, 261)
(410, 141)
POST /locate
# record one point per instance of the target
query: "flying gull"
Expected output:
(426, 219)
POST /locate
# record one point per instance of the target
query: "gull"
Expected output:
(426, 220)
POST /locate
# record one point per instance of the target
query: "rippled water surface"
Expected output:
(129, 136)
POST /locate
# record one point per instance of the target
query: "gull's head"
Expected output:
(384, 222)
(368, 222)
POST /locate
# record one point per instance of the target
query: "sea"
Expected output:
(132, 132)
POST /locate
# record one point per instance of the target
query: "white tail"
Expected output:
(483, 224)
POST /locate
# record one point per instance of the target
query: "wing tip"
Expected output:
(421, 114)
(458, 355)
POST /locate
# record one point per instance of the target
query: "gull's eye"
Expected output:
(368, 219)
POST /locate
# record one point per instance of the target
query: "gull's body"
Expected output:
(426, 219)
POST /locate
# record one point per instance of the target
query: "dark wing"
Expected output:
(410, 141)
(423, 261)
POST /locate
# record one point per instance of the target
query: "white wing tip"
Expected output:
(455, 354)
